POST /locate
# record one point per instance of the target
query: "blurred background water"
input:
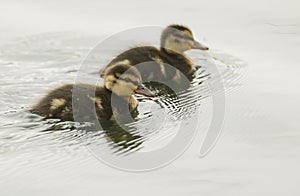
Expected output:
(43, 44)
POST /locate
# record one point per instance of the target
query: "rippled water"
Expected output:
(36, 64)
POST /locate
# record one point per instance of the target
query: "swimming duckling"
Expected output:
(122, 81)
(175, 40)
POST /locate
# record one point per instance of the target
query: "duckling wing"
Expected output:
(90, 100)
(87, 99)
(56, 104)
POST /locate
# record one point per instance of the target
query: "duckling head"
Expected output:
(178, 38)
(125, 80)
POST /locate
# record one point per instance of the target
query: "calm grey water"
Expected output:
(258, 151)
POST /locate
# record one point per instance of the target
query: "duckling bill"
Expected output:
(175, 40)
(119, 81)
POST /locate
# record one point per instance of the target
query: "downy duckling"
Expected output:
(175, 40)
(121, 80)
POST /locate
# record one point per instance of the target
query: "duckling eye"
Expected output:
(135, 83)
(176, 41)
(127, 80)
(187, 37)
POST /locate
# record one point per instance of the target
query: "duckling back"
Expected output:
(154, 61)
(58, 102)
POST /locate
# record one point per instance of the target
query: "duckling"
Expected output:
(175, 40)
(121, 80)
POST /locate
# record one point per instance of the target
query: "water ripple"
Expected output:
(33, 65)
